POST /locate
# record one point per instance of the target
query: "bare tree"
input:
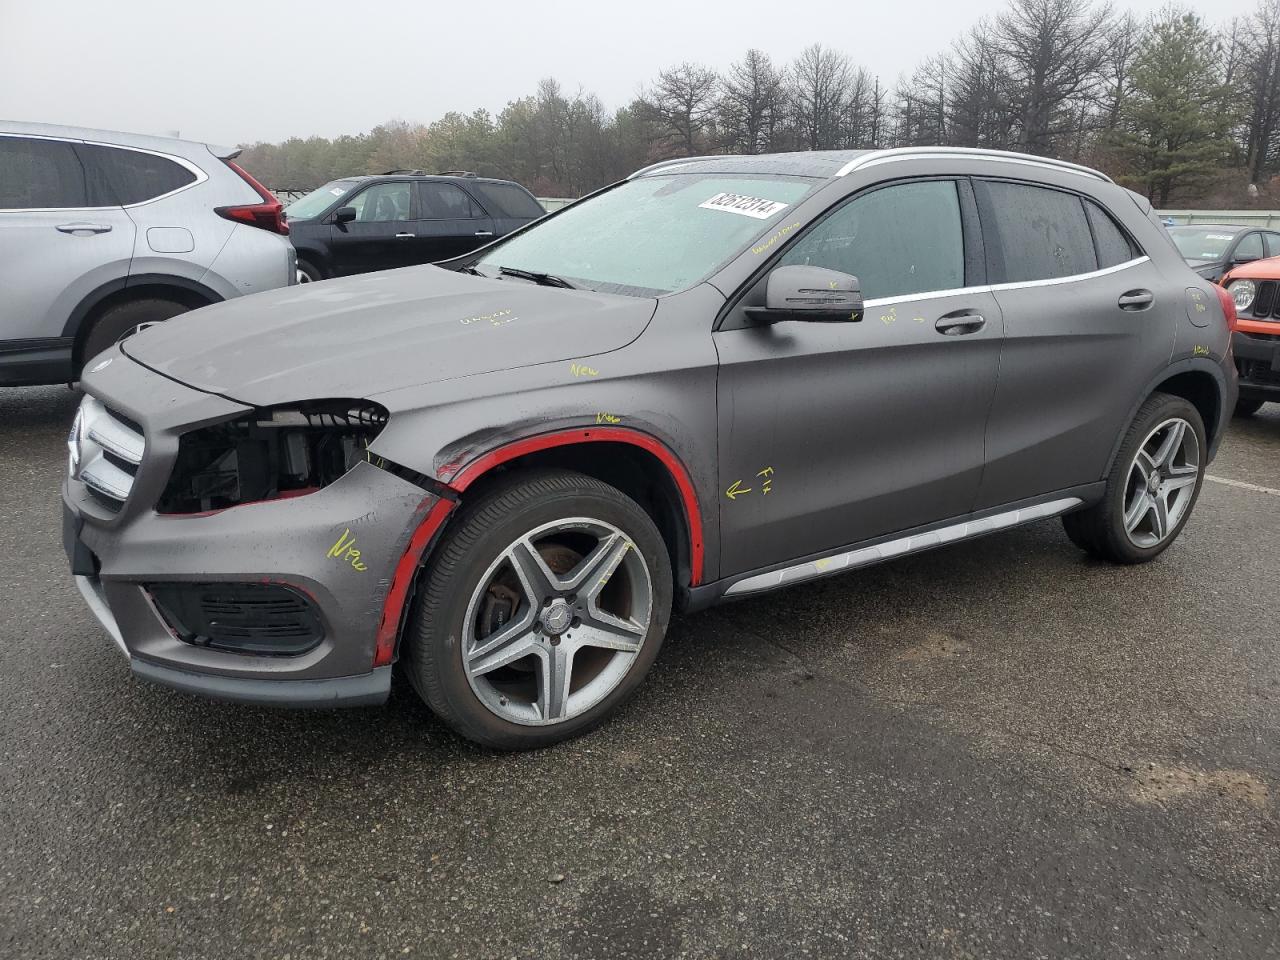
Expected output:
(819, 92)
(682, 103)
(1054, 52)
(979, 113)
(1261, 86)
(750, 104)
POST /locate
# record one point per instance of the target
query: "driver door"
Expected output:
(381, 237)
(835, 433)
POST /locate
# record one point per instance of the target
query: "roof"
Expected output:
(142, 141)
(829, 164)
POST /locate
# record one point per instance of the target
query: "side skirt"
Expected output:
(923, 538)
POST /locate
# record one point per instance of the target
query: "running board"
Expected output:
(825, 566)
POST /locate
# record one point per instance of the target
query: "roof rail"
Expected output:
(403, 173)
(457, 173)
(960, 153)
(675, 162)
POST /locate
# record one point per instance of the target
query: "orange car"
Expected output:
(1255, 287)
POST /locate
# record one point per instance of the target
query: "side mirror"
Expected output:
(814, 294)
(344, 214)
(1239, 261)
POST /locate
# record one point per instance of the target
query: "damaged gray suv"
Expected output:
(720, 376)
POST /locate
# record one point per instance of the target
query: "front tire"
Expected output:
(542, 610)
(1152, 487)
(120, 321)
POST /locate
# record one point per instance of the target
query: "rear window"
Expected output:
(40, 174)
(508, 200)
(123, 176)
(1114, 247)
(1041, 233)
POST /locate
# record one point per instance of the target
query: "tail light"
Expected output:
(269, 214)
(1228, 306)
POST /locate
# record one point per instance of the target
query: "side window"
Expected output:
(444, 201)
(119, 176)
(1273, 244)
(40, 174)
(1042, 233)
(896, 240)
(1249, 248)
(508, 200)
(1114, 247)
(382, 202)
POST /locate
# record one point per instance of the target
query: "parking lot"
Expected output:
(998, 749)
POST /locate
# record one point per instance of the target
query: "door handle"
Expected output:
(404, 236)
(960, 324)
(83, 228)
(1136, 300)
(484, 233)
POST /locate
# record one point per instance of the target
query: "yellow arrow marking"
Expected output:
(736, 490)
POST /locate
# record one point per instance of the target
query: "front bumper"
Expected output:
(1258, 362)
(115, 558)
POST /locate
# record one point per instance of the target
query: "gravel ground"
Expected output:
(997, 749)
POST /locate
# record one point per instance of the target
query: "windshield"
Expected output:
(653, 235)
(317, 201)
(1201, 243)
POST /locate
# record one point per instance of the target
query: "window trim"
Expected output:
(200, 175)
(998, 269)
(970, 224)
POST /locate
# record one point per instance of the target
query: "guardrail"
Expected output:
(1244, 218)
(548, 203)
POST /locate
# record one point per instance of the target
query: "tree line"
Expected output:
(1186, 112)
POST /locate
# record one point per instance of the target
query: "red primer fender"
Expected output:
(460, 479)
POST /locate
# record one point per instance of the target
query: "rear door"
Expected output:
(450, 223)
(59, 240)
(509, 204)
(834, 433)
(1089, 320)
(383, 233)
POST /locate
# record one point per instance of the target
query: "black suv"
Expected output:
(401, 218)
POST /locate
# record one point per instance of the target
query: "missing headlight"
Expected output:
(272, 454)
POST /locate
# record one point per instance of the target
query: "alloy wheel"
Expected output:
(1161, 483)
(556, 621)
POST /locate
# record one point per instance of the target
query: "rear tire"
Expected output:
(1248, 406)
(307, 273)
(1152, 487)
(119, 321)
(494, 624)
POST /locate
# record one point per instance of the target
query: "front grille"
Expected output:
(106, 451)
(1265, 299)
(262, 618)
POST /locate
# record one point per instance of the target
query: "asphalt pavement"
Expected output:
(997, 749)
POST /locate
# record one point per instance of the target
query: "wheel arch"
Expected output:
(139, 287)
(1202, 384)
(634, 462)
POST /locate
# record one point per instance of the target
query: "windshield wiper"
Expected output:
(541, 279)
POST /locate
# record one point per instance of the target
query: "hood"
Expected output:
(1268, 269)
(366, 335)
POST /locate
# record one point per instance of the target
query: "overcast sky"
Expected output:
(236, 71)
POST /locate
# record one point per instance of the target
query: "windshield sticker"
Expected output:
(756, 207)
(337, 191)
(1218, 236)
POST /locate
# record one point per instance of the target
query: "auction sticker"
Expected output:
(756, 207)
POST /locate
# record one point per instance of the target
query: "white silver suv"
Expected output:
(101, 233)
